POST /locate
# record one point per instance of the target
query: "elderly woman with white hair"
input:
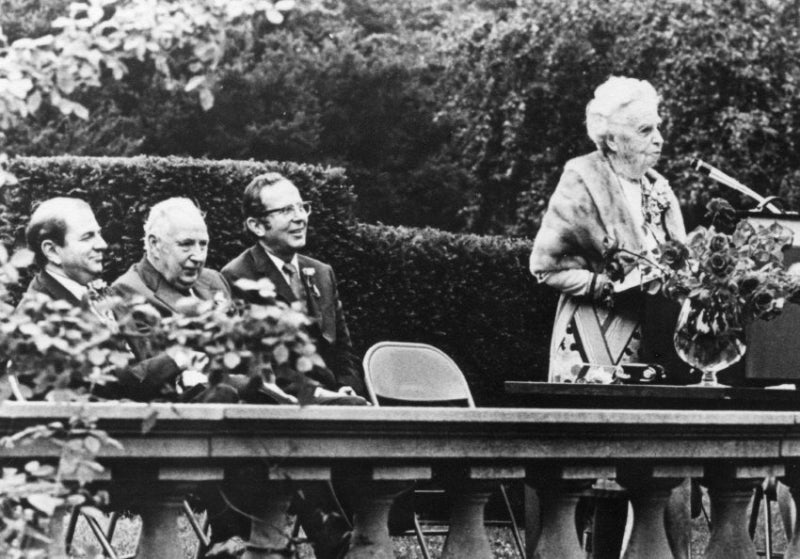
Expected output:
(611, 197)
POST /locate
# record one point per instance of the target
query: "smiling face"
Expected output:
(636, 141)
(178, 249)
(81, 256)
(282, 233)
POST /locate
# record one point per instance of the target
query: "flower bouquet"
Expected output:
(725, 276)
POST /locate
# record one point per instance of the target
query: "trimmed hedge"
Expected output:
(121, 191)
(471, 296)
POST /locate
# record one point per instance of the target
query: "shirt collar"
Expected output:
(279, 262)
(69, 284)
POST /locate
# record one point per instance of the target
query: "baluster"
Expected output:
(792, 480)
(558, 490)
(157, 496)
(469, 494)
(730, 490)
(649, 489)
(270, 533)
(160, 505)
(374, 492)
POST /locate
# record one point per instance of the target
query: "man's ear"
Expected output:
(255, 226)
(152, 244)
(51, 252)
(612, 144)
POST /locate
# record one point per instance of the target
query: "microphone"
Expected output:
(731, 182)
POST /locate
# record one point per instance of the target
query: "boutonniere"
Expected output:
(98, 289)
(656, 201)
(309, 273)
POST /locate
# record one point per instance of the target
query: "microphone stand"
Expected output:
(731, 182)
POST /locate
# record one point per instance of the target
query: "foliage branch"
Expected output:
(184, 40)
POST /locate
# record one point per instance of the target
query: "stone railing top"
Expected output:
(225, 432)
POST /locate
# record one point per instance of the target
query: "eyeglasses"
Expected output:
(303, 208)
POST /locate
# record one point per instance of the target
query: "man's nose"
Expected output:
(198, 254)
(100, 244)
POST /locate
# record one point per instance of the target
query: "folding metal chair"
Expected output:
(403, 373)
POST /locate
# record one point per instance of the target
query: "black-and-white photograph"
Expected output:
(381, 279)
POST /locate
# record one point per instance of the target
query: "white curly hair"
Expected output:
(609, 98)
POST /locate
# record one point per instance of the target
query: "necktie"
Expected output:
(294, 281)
(94, 301)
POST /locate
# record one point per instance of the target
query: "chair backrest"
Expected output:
(413, 373)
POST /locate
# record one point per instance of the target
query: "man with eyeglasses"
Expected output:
(277, 218)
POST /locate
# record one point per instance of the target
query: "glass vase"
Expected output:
(707, 342)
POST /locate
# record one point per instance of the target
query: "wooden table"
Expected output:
(639, 396)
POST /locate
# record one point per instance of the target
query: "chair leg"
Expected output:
(112, 526)
(768, 526)
(97, 530)
(426, 554)
(757, 496)
(73, 523)
(514, 528)
(200, 532)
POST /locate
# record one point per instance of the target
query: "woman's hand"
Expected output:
(602, 289)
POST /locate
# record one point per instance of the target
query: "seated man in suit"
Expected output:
(277, 218)
(69, 248)
(173, 266)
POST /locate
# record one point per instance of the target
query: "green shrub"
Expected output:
(471, 296)
(121, 190)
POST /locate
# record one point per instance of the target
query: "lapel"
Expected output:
(265, 267)
(47, 284)
(163, 292)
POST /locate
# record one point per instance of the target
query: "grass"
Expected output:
(404, 547)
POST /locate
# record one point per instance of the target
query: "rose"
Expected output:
(697, 241)
(720, 264)
(747, 285)
(781, 235)
(674, 255)
(722, 215)
(766, 304)
(308, 274)
(744, 232)
(761, 258)
(718, 243)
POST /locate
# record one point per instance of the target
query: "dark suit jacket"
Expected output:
(323, 306)
(144, 280)
(141, 381)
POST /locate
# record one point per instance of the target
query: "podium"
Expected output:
(773, 347)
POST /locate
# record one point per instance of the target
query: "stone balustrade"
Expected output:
(558, 452)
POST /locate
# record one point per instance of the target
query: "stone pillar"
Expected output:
(273, 490)
(374, 492)
(159, 505)
(157, 496)
(268, 528)
(468, 497)
(730, 490)
(649, 490)
(792, 480)
(559, 489)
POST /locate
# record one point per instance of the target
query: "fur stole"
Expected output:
(589, 208)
